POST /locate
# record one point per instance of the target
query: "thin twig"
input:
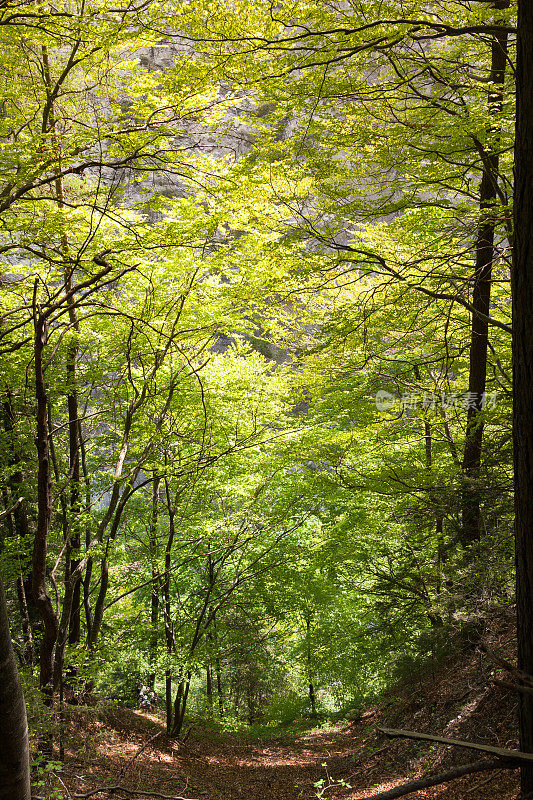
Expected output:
(117, 788)
(130, 761)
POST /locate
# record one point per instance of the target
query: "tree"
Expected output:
(75, 150)
(207, 335)
(522, 285)
(391, 202)
(14, 749)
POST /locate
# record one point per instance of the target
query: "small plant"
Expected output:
(328, 782)
(44, 772)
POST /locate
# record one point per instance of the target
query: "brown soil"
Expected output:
(456, 700)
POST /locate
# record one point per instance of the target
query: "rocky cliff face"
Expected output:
(192, 138)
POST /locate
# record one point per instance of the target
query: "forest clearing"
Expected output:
(266, 399)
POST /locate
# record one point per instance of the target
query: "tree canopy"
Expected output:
(256, 337)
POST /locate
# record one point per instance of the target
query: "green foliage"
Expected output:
(237, 245)
(45, 778)
(285, 709)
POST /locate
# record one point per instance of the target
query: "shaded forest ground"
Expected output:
(111, 745)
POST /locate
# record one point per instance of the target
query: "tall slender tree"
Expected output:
(522, 287)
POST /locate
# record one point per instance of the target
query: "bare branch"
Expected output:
(113, 789)
(507, 755)
(444, 777)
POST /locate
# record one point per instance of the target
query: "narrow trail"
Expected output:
(113, 745)
(222, 767)
(212, 766)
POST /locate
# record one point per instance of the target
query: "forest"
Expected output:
(266, 399)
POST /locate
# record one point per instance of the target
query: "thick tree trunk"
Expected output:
(522, 289)
(14, 751)
(471, 520)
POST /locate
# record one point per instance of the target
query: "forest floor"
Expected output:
(112, 745)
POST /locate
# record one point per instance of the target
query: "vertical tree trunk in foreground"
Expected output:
(14, 753)
(522, 289)
(180, 705)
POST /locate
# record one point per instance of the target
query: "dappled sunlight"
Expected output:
(212, 765)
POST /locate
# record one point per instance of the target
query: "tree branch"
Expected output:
(443, 777)
(118, 788)
(507, 755)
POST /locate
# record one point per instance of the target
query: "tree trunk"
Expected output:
(165, 594)
(26, 624)
(73, 559)
(44, 504)
(14, 750)
(312, 694)
(154, 599)
(72, 553)
(168, 700)
(180, 705)
(471, 520)
(522, 290)
(219, 689)
(209, 690)
(20, 521)
(435, 619)
(218, 670)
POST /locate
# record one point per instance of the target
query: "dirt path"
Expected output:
(208, 765)
(115, 748)
(111, 745)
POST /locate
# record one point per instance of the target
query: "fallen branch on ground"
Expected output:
(444, 777)
(130, 761)
(515, 686)
(506, 665)
(483, 782)
(515, 756)
(184, 738)
(114, 789)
